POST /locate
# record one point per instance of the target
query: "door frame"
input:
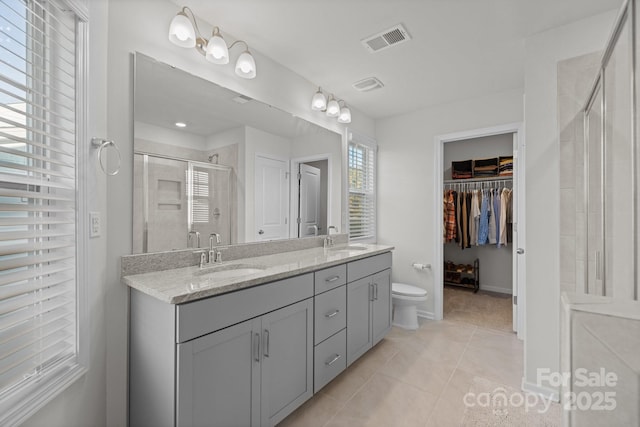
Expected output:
(519, 180)
(294, 184)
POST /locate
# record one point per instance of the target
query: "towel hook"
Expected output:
(100, 144)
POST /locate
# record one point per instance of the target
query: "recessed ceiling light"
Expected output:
(181, 124)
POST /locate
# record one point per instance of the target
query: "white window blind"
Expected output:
(38, 290)
(362, 191)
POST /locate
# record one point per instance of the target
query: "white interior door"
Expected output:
(309, 200)
(271, 198)
(518, 246)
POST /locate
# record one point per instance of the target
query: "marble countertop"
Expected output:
(187, 284)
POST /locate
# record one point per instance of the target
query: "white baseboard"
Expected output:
(495, 289)
(545, 392)
(426, 314)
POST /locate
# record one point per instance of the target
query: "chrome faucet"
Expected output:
(315, 229)
(328, 241)
(214, 255)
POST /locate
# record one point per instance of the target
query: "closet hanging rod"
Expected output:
(476, 180)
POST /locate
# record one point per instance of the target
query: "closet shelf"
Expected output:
(461, 275)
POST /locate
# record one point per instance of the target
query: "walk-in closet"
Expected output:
(477, 228)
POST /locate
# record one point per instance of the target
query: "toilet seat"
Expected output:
(402, 289)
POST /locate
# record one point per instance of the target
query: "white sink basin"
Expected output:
(230, 271)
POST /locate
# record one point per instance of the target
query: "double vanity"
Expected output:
(246, 342)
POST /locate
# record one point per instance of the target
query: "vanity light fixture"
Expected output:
(184, 32)
(332, 108)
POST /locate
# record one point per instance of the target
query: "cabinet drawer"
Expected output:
(330, 278)
(368, 266)
(201, 317)
(330, 359)
(330, 311)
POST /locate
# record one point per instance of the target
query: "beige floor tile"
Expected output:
(314, 413)
(419, 370)
(493, 363)
(384, 402)
(450, 408)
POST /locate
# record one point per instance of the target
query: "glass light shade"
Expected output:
(181, 31)
(246, 65)
(345, 115)
(333, 108)
(318, 102)
(217, 50)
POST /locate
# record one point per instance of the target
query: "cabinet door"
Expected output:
(359, 295)
(218, 380)
(287, 360)
(381, 305)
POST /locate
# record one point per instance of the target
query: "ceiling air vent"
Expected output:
(370, 83)
(386, 39)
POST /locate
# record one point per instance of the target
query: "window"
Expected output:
(40, 292)
(362, 188)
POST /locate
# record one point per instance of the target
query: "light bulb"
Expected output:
(217, 50)
(345, 115)
(333, 108)
(181, 31)
(318, 102)
(246, 66)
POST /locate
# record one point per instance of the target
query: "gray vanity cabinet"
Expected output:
(251, 374)
(243, 358)
(218, 381)
(368, 304)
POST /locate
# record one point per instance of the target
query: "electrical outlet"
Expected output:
(94, 224)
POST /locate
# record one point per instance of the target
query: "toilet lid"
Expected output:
(407, 290)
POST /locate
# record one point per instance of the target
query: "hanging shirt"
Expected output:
(483, 226)
(496, 210)
(475, 218)
(492, 221)
(504, 202)
(465, 222)
(450, 218)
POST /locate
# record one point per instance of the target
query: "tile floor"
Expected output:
(417, 378)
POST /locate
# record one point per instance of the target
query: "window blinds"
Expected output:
(362, 204)
(38, 327)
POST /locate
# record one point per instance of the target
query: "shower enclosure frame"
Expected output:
(190, 163)
(628, 15)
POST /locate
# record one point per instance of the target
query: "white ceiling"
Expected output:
(459, 49)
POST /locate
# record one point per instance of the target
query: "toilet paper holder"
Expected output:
(419, 266)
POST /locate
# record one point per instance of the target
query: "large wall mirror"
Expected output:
(209, 160)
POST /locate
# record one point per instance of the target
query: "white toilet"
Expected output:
(405, 301)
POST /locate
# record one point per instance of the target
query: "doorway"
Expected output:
(514, 251)
(311, 195)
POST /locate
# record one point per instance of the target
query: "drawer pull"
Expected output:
(266, 343)
(332, 314)
(334, 360)
(331, 279)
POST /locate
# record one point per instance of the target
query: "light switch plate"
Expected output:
(95, 225)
